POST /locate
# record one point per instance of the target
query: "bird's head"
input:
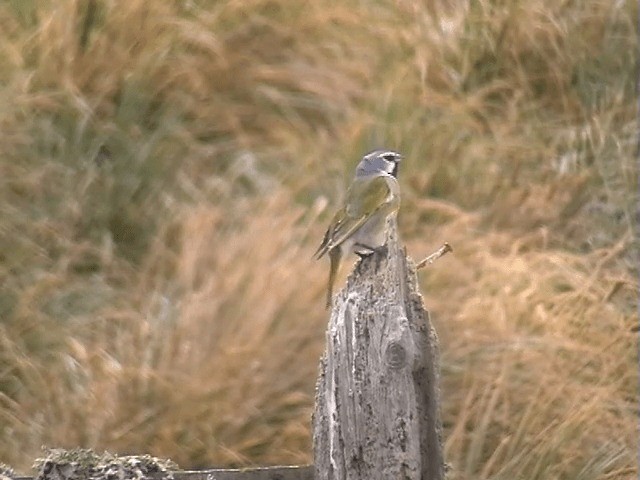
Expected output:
(379, 161)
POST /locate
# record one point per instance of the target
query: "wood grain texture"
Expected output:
(377, 413)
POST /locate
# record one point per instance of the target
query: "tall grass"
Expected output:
(168, 169)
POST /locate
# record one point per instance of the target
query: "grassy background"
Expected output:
(168, 168)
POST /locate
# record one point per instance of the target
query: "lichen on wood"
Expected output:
(85, 464)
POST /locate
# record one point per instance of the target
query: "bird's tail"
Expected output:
(334, 256)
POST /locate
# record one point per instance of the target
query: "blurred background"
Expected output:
(169, 167)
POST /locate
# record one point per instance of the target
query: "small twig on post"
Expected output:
(443, 250)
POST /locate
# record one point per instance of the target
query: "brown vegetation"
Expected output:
(169, 167)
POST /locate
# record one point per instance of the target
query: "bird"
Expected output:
(360, 225)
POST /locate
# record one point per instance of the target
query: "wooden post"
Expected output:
(376, 414)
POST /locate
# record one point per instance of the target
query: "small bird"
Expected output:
(360, 225)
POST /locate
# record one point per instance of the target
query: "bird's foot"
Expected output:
(364, 251)
(377, 253)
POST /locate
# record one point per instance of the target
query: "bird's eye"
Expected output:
(390, 157)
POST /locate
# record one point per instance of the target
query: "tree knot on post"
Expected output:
(395, 356)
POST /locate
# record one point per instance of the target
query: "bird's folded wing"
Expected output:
(365, 197)
(324, 246)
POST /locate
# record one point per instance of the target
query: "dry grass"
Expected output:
(167, 171)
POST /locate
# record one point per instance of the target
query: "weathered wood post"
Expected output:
(376, 414)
